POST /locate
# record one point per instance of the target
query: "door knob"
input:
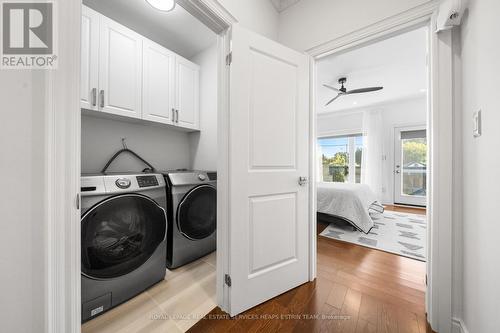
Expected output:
(303, 181)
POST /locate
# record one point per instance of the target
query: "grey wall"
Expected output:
(481, 163)
(203, 144)
(163, 147)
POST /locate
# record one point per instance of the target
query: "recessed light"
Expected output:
(163, 5)
(423, 90)
(354, 103)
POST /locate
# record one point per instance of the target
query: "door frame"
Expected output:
(439, 120)
(63, 160)
(396, 129)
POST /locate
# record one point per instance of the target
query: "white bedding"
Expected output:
(350, 202)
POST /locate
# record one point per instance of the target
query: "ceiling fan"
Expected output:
(343, 91)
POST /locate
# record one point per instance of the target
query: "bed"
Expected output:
(352, 203)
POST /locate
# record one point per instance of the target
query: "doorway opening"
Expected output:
(150, 106)
(372, 106)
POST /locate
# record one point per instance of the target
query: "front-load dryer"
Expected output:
(123, 238)
(192, 215)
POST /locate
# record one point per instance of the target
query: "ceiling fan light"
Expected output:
(163, 5)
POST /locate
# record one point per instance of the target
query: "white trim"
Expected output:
(381, 29)
(223, 195)
(62, 128)
(211, 13)
(438, 299)
(439, 266)
(458, 326)
(313, 167)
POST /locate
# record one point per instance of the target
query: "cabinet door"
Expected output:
(158, 77)
(120, 70)
(89, 59)
(187, 94)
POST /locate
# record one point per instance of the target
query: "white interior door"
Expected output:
(89, 73)
(269, 138)
(120, 70)
(188, 93)
(158, 81)
(410, 166)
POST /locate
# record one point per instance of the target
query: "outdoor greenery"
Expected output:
(415, 151)
(336, 168)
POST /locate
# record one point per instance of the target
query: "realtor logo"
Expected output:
(28, 35)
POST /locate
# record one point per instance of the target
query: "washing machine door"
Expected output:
(120, 234)
(197, 213)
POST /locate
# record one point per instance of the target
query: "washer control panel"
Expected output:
(147, 181)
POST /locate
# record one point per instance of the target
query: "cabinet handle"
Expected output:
(101, 97)
(94, 96)
(177, 116)
(173, 115)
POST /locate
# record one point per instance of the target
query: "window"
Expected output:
(341, 158)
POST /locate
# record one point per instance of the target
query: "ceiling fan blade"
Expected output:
(363, 90)
(330, 87)
(330, 101)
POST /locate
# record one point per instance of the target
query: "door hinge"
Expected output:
(227, 280)
(426, 279)
(229, 58)
(78, 201)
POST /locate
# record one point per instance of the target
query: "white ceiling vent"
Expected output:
(281, 5)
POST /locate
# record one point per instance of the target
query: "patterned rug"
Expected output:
(404, 234)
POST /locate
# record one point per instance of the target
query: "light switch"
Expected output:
(476, 126)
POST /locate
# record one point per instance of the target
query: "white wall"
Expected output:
(313, 22)
(257, 15)
(203, 144)
(163, 147)
(481, 163)
(395, 114)
(22, 225)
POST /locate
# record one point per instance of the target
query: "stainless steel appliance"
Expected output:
(123, 238)
(192, 215)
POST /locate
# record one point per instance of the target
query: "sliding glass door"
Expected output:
(410, 161)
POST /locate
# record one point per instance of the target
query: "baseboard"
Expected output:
(458, 326)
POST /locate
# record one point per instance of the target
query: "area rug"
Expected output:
(404, 234)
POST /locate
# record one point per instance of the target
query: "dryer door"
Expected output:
(197, 213)
(120, 234)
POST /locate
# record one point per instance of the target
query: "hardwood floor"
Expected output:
(357, 290)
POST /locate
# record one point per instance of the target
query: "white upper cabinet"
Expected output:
(89, 59)
(158, 84)
(187, 93)
(126, 74)
(120, 70)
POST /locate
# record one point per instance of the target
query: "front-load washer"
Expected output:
(123, 238)
(192, 215)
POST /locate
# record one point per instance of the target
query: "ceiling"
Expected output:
(281, 5)
(177, 30)
(399, 64)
